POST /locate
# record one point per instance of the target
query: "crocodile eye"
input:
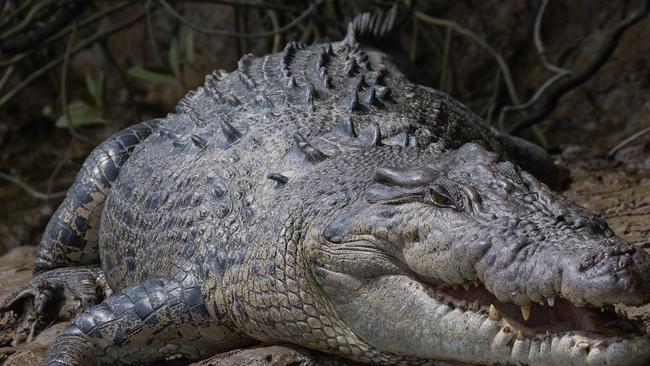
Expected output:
(439, 196)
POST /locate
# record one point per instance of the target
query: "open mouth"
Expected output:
(538, 320)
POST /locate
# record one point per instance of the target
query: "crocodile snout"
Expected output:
(619, 273)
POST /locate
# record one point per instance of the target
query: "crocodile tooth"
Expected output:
(525, 311)
(493, 313)
(466, 287)
(476, 305)
(550, 301)
(520, 336)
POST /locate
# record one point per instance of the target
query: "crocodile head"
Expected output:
(467, 258)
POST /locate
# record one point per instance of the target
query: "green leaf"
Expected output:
(81, 114)
(95, 88)
(174, 58)
(139, 72)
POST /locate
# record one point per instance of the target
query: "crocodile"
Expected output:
(317, 197)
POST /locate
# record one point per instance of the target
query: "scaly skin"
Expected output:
(317, 197)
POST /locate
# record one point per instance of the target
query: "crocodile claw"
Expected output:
(51, 296)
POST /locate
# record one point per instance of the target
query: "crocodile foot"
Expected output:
(55, 295)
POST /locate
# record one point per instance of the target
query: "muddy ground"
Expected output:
(585, 126)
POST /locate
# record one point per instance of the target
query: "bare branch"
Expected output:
(531, 101)
(31, 191)
(539, 44)
(29, 39)
(547, 102)
(507, 76)
(82, 45)
(65, 32)
(627, 141)
(223, 32)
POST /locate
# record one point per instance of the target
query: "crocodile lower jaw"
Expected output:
(589, 336)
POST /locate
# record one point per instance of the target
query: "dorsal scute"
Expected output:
(339, 75)
(373, 26)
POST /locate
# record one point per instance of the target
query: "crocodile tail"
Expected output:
(371, 26)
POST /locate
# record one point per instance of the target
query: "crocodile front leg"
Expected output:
(66, 265)
(152, 321)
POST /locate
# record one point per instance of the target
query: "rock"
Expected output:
(15, 271)
(281, 355)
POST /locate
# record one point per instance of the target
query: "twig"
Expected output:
(227, 33)
(539, 44)
(31, 191)
(66, 12)
(627, 141)
(83, 44)
(150, 33)
(549, 100)
(507, 77)
(6, 76)
(26, 20)
(64, 88)
(531, 101)
(59, 166)
(239, 3)
(492, 102)
(414, 42)
(277, 38)
(242, 27)
(445, 61)
(64, 78)
(90, 20)
(8, 17)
